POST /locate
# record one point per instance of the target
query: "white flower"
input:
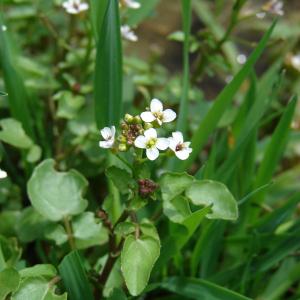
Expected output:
(132, 4)
(181, 149)
(109, 137)
(3, 28)
(241, 59)
(274, 7)
(157, 113)
(128, 34)
(75, 6)
(295, 61)
(261, 15)
(3, 174)
(151, 143)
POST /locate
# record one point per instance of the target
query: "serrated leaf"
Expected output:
(56, 195)
(137, 260)
(208, 192)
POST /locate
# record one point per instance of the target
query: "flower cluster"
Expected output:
(75, 7)
(140, 132)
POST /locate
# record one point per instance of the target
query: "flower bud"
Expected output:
(122, 147)
(137, 120)
(128, 118)
(122, 139)
(148, 126)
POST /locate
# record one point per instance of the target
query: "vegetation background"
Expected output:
(231, 69)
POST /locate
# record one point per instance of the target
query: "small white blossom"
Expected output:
(108, 135)
(241, 59)
(261, 15)
(181, 149)
(128, 34)
(75, 6)
(3, 174)
(3, 27)
(274, 7)
(132, 4)
(151, 143)
(157, 113)
(295, 61)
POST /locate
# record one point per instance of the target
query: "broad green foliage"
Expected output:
(178, 188)
(137, 260)
(216, 194)
(9, 282)
(13, 133)
(36, 288)
(65, 198)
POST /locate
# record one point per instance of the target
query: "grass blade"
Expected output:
(210, 122)
(108, 72)
(183, 111)
(18, 98)
(74, 277)
(194, 288)
(275, 147)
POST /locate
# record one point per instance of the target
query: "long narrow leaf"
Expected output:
(18, 98)
(74, 277)
(108, 73)
(225, 98)
(183, 112)
(194, 288)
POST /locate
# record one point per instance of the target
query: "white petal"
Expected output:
(106, 133)
(152, 153)
(162, 143)
(150, 134)
(106, 144)
(140, 142)
(83, 6)
(156, 106)
(173, 144)
(147, 116)
(3, 174)
(169, 115)
(183, 154)
(178, 137)
(186, 144)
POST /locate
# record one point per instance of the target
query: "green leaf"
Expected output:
(31, 225)
(137, 260)
(194, 288)
(183, 111)
(87, 232)
(65, 196)
(174, 184)
(74, 277)
(18, 97)
(177, 209)
(125, 228)
(276, 146)
(208, 192)
(121, 179)
(3, 94)
(9, 282)
(117, 294)
(108, 72)
(225, 98)
(13, 133)
(36, 288)
(43, 270)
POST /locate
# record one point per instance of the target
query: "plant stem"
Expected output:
(69, 231)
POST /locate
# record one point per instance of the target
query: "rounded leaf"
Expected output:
(208, 192)
(137, 260)
(56, 195)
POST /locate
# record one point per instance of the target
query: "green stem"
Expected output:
(68, 227)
